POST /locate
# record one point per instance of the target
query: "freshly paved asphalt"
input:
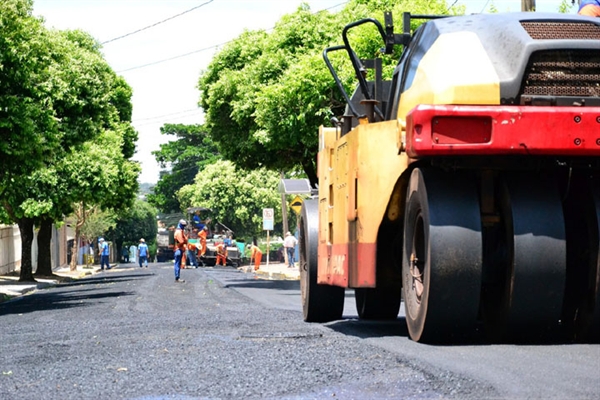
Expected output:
(133, 333)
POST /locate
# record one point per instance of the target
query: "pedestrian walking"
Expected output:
(180, 248)
(256, 255)
(290, 243)
(104, 251)
(125, 254)
(133, 253)
(143, 253)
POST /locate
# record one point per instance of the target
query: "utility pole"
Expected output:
(527, 5)
(284, 219)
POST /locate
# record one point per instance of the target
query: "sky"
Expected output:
(163, 63)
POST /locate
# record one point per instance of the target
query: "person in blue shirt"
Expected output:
(104, 251)
(143, 253)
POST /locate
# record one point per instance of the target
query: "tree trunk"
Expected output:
(309, 168)
(527, 5)
(26, 229)
(44, 240)
(75, 250)
(81, 215)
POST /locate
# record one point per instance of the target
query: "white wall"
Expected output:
(10, 249)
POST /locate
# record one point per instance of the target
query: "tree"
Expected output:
(90, 102)
(527, 5)
(103, 177)
(138, 221)
(232, 85)
(190, 151)
(265, 95)
(566, 6)
(237, 197)
(92, 115)
(28, 129)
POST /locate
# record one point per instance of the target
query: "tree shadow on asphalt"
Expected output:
(103, 278)
(266, 284)
(44, 301)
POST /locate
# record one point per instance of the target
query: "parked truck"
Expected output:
(467, 185)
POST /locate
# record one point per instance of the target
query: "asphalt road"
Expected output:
(134, 333)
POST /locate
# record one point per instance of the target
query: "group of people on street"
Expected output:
(183, 248)
(143, 253)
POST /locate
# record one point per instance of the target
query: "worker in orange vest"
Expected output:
(589, 8)
(221, 254)
(255, 254)
(202, 236)
(180, 248)
(192, 252)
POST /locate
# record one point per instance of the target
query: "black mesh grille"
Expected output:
(563, 73)
(562, 30)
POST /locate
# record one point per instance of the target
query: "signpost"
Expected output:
(268, 222)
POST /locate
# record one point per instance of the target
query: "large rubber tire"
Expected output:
(320, 303)
(378, 303)
(442, 256)
(581, 312)
(528, 303)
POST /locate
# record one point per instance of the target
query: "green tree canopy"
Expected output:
(90, 110)
(134, 223)
(237, 197)
(265, 95)
(28, 127)
(191, 149)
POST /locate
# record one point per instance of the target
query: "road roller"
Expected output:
(462, 195)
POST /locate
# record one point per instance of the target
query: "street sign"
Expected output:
(268, 217)
(296, 204)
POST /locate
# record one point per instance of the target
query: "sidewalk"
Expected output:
(11, 287)
(274, 271)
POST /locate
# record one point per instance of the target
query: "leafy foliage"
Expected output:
(134, 223)
(65, 126)
(237, 197)
(191, 150)
(28, 129)
(265, 95)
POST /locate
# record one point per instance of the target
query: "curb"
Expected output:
(273, 273)
(10, 287)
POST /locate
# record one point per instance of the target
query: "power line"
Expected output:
(486, 3)
(167, 115)
(171, 58)
(156, 23)
(166, 120)
(203, 49)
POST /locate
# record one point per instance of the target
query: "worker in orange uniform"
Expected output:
(589, 8)
(221, 254)
(192, 253)
(202, 236)
(180, 248)
(255, 254)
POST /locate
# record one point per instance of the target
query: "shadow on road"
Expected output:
(103, 278)
(52, 300)
(370, 329)
(266, 284)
